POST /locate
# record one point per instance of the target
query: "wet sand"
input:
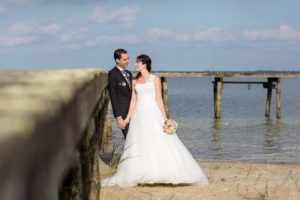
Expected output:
(227, 180)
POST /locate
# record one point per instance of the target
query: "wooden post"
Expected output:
(269, 96)
(164, 88)
(215, 96)
(108, 127)
(89, 156)
(218, 96)
(165, 94)
(269, 86)
(105, 120)
(72, 185)
(278, 114)
(107, 130)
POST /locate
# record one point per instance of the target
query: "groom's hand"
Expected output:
(120, 123)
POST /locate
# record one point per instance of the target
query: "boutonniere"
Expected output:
(123, 83)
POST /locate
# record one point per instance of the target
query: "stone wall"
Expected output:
(52, 123)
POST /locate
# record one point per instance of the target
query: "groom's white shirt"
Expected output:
(121, 69)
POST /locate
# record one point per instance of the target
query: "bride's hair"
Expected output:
(145, 60)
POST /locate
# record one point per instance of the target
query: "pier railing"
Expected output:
(51, 130)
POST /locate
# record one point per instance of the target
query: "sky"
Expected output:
(192, 35)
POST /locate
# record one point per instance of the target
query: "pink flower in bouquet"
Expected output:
(170, 126)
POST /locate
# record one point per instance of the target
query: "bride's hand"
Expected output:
(126, 121)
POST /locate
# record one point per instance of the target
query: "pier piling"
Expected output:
(269, 97)
(278, 107)
(269, 85)
(218, 85)
(164, 88)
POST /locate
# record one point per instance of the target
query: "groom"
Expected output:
(120, 88)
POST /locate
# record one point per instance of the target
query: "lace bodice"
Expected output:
(145, 91)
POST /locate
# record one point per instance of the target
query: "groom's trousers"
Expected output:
(125, 131)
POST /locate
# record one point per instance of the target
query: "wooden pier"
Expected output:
(272, 82)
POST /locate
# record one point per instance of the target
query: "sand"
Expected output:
(228, 180)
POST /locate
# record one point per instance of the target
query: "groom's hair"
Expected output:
(118, 53)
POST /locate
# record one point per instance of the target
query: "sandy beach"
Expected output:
(227, 180)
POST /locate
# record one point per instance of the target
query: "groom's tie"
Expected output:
(126, 75)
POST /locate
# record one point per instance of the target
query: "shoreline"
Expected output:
(228, 179)
(107, 156)
(248, 161)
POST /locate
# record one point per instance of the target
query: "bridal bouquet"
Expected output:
(170, 126)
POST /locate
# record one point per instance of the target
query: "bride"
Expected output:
(150, 155)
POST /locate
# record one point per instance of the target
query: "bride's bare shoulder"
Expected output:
(156, 80)
(155, 77)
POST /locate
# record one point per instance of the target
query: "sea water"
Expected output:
(243, 132)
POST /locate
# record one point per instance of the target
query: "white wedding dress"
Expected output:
(150, 155)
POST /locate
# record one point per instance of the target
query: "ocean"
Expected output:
(243, 132)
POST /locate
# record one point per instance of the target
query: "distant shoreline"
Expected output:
(246, 161)
(256, 71)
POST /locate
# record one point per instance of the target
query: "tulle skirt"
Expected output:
(152, 156)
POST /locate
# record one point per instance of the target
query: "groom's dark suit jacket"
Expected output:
(120, 93)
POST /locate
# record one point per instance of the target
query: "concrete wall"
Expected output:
(51, 126)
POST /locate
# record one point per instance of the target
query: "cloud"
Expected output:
(156, 34)
(71, 43)
(39, 2)
(73, 46)
(26, 32)
(201, 35)
(73, 36)
(216, 34)
(7, 40)
(107, 39)
(25, 2)
(283, 32)
(2, 10)
(213, 34)
(126, 15)
(33, 28)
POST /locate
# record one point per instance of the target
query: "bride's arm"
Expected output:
(132, 103)
(158, 97)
